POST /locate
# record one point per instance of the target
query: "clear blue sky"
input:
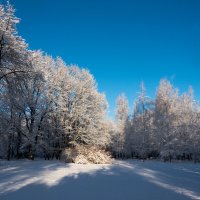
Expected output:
(121, 42)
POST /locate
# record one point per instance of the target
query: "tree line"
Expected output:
(47, 106)
(167, 126)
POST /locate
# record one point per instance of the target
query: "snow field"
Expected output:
(121, 180)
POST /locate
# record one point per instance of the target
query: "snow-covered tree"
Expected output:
(139, 128)
(121, 119)
(13, 49)
(165, 110)
(82, 107)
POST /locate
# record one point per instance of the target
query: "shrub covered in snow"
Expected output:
(86, 155)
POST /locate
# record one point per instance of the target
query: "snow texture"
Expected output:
(122, 180)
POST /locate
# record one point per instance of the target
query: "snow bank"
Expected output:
(86, 155)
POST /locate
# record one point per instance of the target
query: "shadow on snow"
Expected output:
(121, 180)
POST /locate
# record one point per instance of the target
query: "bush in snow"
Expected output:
(86, 155)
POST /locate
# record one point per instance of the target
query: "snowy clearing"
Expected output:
(126, 180)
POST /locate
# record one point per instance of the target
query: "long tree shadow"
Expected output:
(121, 180)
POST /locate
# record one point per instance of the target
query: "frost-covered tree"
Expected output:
(13, 49)
(139, 127)
(165, 111)
(121, 119)
(23, 97)
(14, 65)
(82, 107)
(187, 129)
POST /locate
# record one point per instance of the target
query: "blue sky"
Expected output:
(121, 42)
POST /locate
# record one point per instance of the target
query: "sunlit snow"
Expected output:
(121, 180)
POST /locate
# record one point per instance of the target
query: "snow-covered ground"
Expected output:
(123, 180)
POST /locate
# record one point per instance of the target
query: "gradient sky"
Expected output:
(121, 42)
